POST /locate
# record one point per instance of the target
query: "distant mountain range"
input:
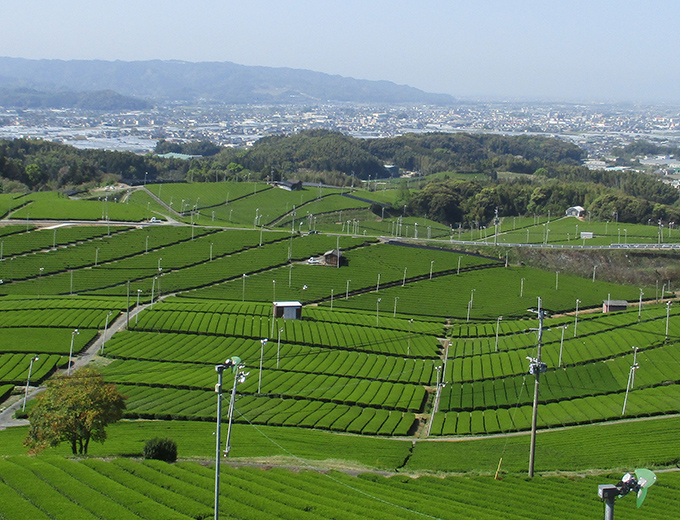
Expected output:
(222, 82)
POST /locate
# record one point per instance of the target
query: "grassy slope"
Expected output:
(604, 447)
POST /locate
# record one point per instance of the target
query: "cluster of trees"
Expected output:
(475, 202)
(437, 152)
(632, 183)
(37, 164)
(325, 150)
(641, 148)
(314, 153)
(316, 150)
(203, 148)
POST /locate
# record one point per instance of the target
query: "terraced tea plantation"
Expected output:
(344, 377)
(44, 329)
(376, 335)
(122, 489)
(586, 380)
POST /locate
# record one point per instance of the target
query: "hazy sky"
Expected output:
(586, 50)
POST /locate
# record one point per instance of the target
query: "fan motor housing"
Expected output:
(607, 492)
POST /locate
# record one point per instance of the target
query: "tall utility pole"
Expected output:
(495, 224)
(263, 342)
(218, 389)
(640, 306)
(239, 377)
(631, 379)
(536, 367)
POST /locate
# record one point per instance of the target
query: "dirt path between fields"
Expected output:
(16, 401)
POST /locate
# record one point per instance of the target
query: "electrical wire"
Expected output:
(331, 477)
(512, 417)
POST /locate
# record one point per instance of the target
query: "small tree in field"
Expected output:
(75, 409)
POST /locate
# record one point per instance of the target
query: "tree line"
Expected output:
(38, 164)
(555, 178)
(474, 203)
(35, 164)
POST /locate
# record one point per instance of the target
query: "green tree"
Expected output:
(75, 409)
(34, 175)
(234, 167)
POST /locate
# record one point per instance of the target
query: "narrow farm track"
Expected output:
(7, 415)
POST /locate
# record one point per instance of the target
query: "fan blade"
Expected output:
(642, 494)
(647, 475)
(646, 479)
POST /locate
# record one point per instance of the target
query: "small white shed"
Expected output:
(288, 310)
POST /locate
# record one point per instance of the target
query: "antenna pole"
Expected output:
(537, 373)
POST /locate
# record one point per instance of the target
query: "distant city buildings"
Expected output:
(596, 128)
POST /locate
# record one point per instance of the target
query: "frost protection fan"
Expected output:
(640, 483)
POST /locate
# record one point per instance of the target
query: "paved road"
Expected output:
(16, 402)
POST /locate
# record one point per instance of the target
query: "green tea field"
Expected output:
(400, 391)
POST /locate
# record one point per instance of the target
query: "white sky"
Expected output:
(571, 50)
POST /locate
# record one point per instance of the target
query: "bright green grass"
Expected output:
(142, 203)
(574, 449)
(364, 265)
(5, 391)
(340, 222)
(6, 231)
(204, 194)
(567, 230)
(425, 228)
(271, 204)
(496, 293)
(388, 196)
(112, 260)
(10, 201)
(53, 205)
(46, 239)
(328, 209)
(197, 440)
(44, 340)
(602, 446)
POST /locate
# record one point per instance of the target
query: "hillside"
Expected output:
(555, 180)
(94, 100)
(224, 82)
(352, 386)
